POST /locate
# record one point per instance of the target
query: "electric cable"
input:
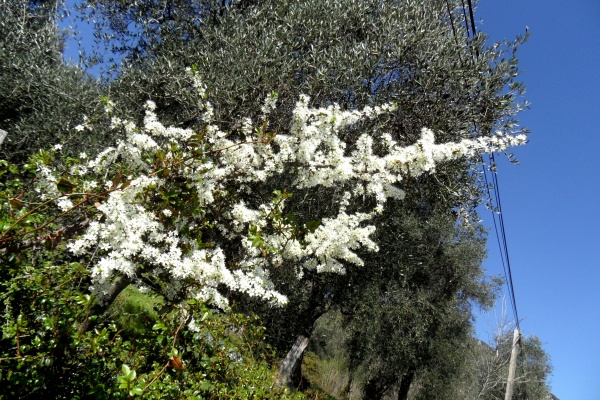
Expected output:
(501, 248)
(504, 241)
(501, 232)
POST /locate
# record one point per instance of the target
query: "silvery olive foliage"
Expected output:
(41, 98)
(316, 154)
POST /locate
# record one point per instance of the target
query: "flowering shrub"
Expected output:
(44, 354)
(172, 208)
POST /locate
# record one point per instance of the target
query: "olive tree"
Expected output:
(354, 54)
(41, 98)
(415, 58)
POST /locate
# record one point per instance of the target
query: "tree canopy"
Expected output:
(282, 158)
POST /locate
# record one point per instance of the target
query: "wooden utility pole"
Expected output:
(512, 367)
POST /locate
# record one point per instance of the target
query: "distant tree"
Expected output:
(409, 315)
(41, 98)
(489, 363)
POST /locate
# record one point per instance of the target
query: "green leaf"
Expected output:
(290, 219)
(137, 391)
(312, 225)
(256, 241)
(204, 316)
(159, 326)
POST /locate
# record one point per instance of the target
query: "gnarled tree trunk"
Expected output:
(290, 366)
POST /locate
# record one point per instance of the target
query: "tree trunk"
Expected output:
(290, 366)
(405, 385)
(371, 390)
(376, 388)
(119, 284)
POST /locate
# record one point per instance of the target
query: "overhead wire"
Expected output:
(499, 227)
(501, 237)
(508, 275)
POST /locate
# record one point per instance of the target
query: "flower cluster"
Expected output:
(178, 191)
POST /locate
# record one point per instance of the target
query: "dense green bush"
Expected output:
(54, 345)
(45, 353)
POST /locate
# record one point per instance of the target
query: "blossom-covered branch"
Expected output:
(172, 214)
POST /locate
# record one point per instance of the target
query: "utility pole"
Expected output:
(513, 364)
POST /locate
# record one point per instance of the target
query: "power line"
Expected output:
(472, 17)
(499, 227)
(501, 237)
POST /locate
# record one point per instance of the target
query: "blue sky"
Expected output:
(551, 201)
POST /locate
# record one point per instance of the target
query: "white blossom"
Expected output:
(130, 234)
(64, 203)
(269, 104)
